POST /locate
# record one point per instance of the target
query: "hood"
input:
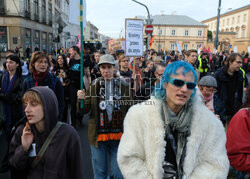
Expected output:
(50, 107)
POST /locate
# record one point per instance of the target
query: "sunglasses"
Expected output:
(179, 83)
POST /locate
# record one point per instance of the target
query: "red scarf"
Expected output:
(39, 76)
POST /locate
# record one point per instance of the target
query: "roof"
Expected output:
(176, 20)
(229, 12)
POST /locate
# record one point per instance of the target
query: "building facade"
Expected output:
(28, 23)
(170, 30)
(234, 29)
(91, 32)
(73, 33)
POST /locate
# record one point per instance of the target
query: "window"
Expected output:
(172, 47)
(27, 5)
(36, 7)
(44, 10)
(198, 46)
(244, 18)
(227, 21)
(238, 19)
(243, 33)
(3, 39)
(223, 23)
(185, 46)
(199, 33)
(233, 21)
(50, 13)
(173, 32)
(186, 32)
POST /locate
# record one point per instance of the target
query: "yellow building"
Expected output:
(234, 29)
(172, 29)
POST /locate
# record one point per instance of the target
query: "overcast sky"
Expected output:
(109, 15)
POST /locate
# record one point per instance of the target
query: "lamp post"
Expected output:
(217, 28)
(148, 21)
(159, 45)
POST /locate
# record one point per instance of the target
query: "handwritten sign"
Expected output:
(134, 37)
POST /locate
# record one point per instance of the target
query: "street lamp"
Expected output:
(217, 28)
(148, 21)
(160, 32)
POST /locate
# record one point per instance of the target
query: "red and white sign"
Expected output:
(149, 29)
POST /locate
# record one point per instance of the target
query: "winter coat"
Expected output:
(238, 145)
(63, 157)
(91, 104)
(142, 147)
(14, 99)
(53, 83)
(222, 87)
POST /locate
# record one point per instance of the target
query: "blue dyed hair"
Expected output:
(159, 91)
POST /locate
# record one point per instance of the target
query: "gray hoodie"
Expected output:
(63, 157)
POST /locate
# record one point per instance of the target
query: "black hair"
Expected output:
(75, 48)
(17, 60)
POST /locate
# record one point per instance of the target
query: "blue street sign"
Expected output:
(229, 46)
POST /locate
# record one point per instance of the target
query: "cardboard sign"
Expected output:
(134, 37)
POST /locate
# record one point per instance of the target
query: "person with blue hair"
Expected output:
(173, 134)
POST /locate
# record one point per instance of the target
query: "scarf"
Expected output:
(181, 123)
(7, 86)
(39, 76)
(209, 102)
(108, 91)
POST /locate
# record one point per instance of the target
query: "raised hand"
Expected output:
(27, 137)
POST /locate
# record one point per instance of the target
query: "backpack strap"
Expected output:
(46, 144)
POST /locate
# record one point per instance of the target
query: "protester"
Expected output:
(75, 78)
(125, 72)
(40, 76)
(61, 70)
(62, 157)
(203, 65)
(238, 135)
(106, 99)
(94, 70)
(10, 100)
(207, 88)
(230, 85)
(173, 135)
(191, 58)
(148, 72)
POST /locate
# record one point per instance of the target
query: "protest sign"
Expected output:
(134, 37)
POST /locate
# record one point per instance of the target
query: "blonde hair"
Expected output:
(32, 96)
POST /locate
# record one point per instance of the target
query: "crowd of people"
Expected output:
(161, 115)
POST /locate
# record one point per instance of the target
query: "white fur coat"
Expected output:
(142, 146)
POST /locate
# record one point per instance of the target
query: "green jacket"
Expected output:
(91, 104)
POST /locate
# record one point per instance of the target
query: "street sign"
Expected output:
(229, 46)
(149, 29)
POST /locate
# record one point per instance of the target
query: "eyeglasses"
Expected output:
(125, 61)
(179, 83)
(209, 90)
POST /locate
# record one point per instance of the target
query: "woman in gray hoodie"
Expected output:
(62, 158)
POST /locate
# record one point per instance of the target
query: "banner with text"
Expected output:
(134, 37)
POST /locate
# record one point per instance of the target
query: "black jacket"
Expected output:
(223, 83)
